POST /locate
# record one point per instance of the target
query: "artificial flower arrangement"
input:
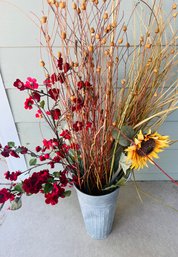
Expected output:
(103, 98)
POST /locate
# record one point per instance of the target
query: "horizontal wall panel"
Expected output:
(21, 63)
(24, 62)
(13, 18)
(16, 28)
(32, 134)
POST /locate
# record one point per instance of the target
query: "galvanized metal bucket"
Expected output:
(98, 213)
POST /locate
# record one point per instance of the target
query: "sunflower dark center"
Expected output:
(146, 147)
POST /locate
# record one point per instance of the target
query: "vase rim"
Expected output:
(95, 196)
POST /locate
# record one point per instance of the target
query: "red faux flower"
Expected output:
(56, 113)
(39, 115)
(61, 77)
(78, 125)
(78, 104)
(47, 156)
(54, 93)
(42, 158)
(38, 149)
(75, 146)
(60, 154)
(19, 84)
(60, 63)
(66, 134)
(54, 78)
(47, 82)
(23, 149)
(88, 125)
(65, 148)
(5, 195)
(14, 154)
(36, 96)
(13, 175)
(63, 179)
(56, 159)
(80, 84)
(29, 103)
(87, 84)
(6, 151)
(31, 83)
(66, 67)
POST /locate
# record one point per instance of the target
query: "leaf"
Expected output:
(67, 193)
(124, 163)
(50, 180)
(42, 104)
(56, 174)
(18, 150)
(32, 161)
(16, 204)
(115, 134)
(127, 132)
(47, 188)
(117, 158)
(11, 144)
(18, 188)
(124, 179)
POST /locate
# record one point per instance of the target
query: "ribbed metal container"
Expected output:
(98, 213)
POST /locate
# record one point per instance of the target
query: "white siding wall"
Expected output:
(19, 58)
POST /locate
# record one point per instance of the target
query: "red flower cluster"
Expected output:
(50, 144)
(7, 151)
(81, 84)
(12, 175)
(77, 126)
(52, 197)
(5, 195)
(33, 184)
(63, 66)
(31, 83)
(78, 103)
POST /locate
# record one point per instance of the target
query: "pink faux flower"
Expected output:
(31, 83)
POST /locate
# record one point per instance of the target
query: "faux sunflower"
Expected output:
(145, 148)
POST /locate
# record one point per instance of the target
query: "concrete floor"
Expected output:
(140, 230)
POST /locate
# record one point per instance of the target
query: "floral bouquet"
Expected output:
(104, 96)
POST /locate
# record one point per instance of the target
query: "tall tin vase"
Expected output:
(98, 213)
